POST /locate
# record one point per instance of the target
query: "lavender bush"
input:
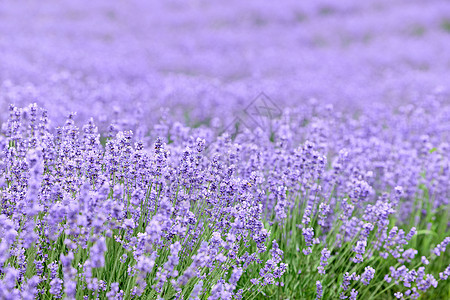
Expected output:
(170, 182)
(249, 217)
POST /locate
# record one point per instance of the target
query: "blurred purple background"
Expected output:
(127, 59)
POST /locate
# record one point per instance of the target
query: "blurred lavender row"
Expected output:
(208, 57)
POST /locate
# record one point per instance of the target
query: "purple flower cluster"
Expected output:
(325, 255)
(319, 290)
(367, 276)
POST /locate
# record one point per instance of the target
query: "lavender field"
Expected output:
(225, 149)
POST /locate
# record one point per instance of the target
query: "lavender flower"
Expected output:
(323, 260)
(367, 276)
(353, 294)
(319, 290)
(359, 250)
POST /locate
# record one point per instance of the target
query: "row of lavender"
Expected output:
(328, 205)
(102, 58)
